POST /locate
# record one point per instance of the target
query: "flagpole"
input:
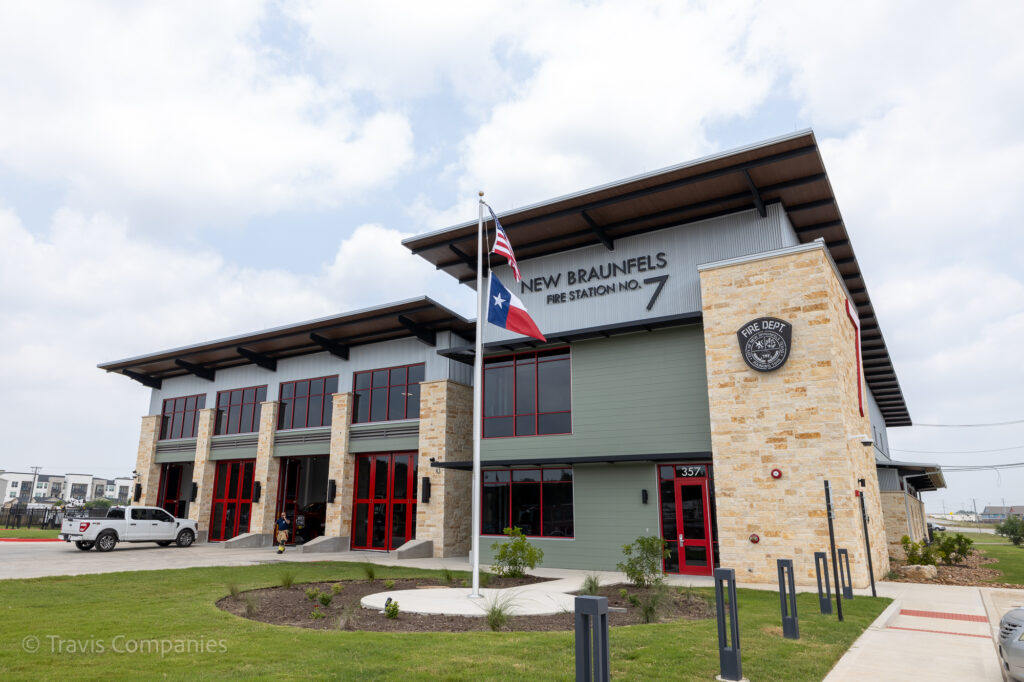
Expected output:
(478, 365)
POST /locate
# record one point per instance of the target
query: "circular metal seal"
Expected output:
(765, 343)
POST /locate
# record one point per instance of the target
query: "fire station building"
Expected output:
(713, 358)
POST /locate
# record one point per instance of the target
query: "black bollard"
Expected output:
(821, 569)
(728, 642)
(593, 660)
(844, 575)
(790, 623)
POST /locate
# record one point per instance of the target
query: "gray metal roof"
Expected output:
(923, 476)
(787, 169)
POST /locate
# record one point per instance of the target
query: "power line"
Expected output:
(959, 426)
(957, 452)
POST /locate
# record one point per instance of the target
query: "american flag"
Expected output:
(503, 247)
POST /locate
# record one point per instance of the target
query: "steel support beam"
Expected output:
(335, 348)
(598, 231)
(198, 370)
(755, 194)
(143, 379)
(421, 332)
(260, 359)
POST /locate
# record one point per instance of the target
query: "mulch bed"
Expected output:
(290, 606)
(971, 572)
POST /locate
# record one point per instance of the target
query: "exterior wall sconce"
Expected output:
(257, 490)
(332, 489)
(138, 492)
(643, 496)
(195, 492)
(425, 489)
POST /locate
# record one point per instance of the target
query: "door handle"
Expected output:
(680, 539)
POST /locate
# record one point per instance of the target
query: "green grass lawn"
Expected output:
(984, 538)
(34, 533)
(180, 605)
(1010, 562)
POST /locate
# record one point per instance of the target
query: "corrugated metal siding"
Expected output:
(640, 393)
(373, 356)
(608, 513)
(685, 247)
(888, 480)
(879, 433)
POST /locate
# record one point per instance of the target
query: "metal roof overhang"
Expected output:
(420, 317)
(921, 475)
(788, 170)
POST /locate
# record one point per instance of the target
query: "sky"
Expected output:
(176, 172)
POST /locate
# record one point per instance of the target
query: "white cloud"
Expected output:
(88, 292)
(178, 110)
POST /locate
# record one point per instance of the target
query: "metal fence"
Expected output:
(20, 516)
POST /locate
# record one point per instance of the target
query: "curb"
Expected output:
(31, 540)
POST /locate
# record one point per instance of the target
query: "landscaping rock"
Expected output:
(919, 572)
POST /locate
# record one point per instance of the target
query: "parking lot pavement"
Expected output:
(39, 559)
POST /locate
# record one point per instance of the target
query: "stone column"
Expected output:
(145, 464)
(340, 468)
(268, 469)
(203, 472)
(446, 434)
(802, 419)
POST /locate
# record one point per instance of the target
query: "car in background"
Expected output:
(935, 526)
(1011, 644)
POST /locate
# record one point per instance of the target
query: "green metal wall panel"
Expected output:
(608, 513)
(300, 449)
(642, 393)
(172, 457)
(384, 444)
(233, 453)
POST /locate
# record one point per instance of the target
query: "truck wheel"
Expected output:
(185, 538)
(164, 543)
(84, 546)
(106, 541)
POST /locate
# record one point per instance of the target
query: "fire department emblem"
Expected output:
(765, 343)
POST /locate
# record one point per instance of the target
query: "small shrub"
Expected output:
(390, 584)
(952, 549)
(512, 558)
(1012, 529)
(370, 571)
(317, 613)
(918, 553)
(233, 589)
(591, 584)
(643, 564)
(250, 606)
(325, 598)
(892, 575)
(634, 600)
(391, 609)
(623, 592)
(464, 582)
(485, 579)
(287, 579)
(447, 575)
(311, 593)
(650, 605)
(347, 618)
(336, 588)
(498, 612)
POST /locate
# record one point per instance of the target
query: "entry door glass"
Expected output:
(692, 525)
(232, 499)
(384, 508)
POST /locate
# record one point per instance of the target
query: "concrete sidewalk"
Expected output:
(930, 632)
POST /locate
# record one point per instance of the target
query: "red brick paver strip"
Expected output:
(944, 615)
(939, 632)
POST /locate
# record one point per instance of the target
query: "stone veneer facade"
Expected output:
(145, 464)
(895, 505)
(204, 471)
(266, 473)
(802, 419)
(341, 468)
(446, 434)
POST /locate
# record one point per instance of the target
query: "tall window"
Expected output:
(537, 501)
(307, 403)
(181, 416)
(386, 394)
(527, 394)
(238, 411)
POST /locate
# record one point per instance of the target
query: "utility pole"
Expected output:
(975, 503)
(35, 478)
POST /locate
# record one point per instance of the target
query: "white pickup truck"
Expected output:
(128, 524)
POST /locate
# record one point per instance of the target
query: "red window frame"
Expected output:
(289, 404)
(366, 394)
(484, 484)
(235, 475)
(179, 417)
(538, 357)
(241, 406)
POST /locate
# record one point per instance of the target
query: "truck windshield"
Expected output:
(115, 514)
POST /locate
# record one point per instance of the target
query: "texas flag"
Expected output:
(508, 312)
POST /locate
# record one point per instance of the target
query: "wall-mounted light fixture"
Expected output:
(138, 492)
(332, 490)
(643, 495)
(257, 490)
(195, 492)
(425, 489)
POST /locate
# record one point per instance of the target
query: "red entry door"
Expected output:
(693, 526)
(384, 509)
(232, 499)
(170, 490)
